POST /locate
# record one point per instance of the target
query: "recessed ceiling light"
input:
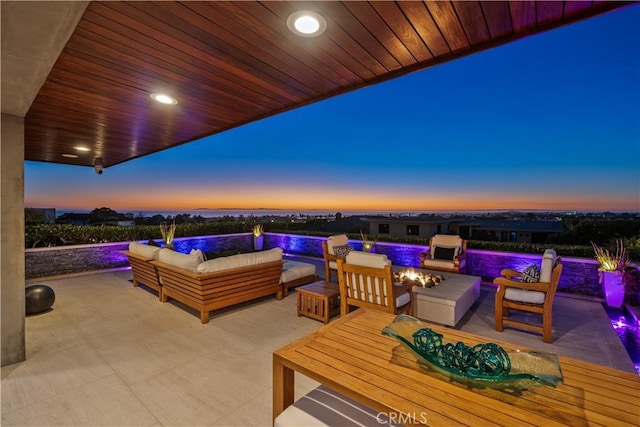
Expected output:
(70, 156)
(163, 98)
(306, 23)
(81, 148)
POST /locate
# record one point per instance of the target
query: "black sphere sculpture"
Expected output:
(39, 298)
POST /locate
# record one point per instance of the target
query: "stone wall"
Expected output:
(579, 275)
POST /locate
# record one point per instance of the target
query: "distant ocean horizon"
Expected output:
(217, 213)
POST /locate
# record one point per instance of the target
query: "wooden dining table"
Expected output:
(351, 356)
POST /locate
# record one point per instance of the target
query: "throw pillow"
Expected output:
(199, 254)
(531, 274)
(440, 252)
(342, 251)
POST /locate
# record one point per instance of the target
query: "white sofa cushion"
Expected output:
(241, 260)
(548, 262)
(438, 263)
(367, 259)
(146, 251)
(188, 262)
(523, 295)
(338, 240)
(292, 270)
(403, 299)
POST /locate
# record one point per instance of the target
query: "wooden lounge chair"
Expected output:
(531, 297)
(366, 280)
(446, 253)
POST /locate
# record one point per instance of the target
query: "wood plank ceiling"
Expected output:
(231, 63)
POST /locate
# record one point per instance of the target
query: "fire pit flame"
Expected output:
(415, 277)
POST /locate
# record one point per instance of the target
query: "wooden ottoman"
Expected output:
(319, 300)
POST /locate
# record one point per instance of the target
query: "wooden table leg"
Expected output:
(283, 387)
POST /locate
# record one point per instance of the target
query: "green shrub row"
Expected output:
(45, 235)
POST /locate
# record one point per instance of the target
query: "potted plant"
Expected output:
(258, 237)
(611, 272)
(168, 232)
(367, 244)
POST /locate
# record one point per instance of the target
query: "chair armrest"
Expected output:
(536, 286)
(424, 256)
(331, 257)
(508, 273)
(402, 287)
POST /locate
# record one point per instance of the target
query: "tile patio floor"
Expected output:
(109, 354)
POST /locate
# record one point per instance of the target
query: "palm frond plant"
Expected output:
(611, 272)
(258, 229)
(610, 261)
(367, 243)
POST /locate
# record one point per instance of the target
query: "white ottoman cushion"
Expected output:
(292, 270)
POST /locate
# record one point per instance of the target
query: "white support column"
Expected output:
(12, 277)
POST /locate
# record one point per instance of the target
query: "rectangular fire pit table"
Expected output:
(447, 302)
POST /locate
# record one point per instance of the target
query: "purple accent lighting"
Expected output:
(628, 329)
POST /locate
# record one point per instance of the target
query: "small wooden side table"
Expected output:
(319, 300)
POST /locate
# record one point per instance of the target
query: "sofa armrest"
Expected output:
(134, 255)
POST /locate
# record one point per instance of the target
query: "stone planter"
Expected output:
(258, 242)
(612, 287)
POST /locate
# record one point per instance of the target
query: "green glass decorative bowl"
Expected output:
(481, 366)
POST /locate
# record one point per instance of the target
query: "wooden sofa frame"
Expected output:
(211, 291)
(144, 272)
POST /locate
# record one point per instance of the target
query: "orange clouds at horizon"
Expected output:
(329, 199)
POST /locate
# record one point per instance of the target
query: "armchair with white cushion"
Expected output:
(334, 248)
(529, 292)
(446, 253)
(366, 280)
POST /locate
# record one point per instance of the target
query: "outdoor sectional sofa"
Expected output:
(145, 272)
(220, 282)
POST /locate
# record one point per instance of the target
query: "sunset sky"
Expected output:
(548, 122)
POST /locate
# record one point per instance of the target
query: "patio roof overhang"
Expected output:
(226, 63)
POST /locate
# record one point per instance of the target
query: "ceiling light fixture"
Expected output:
(163, 98)
(306, 23)
(70, 156)
(81, 148)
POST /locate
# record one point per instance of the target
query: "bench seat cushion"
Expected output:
(438, 263)
(292, 270)
(187, 261)
(241, 260)
(325, 407)
(146, 251)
